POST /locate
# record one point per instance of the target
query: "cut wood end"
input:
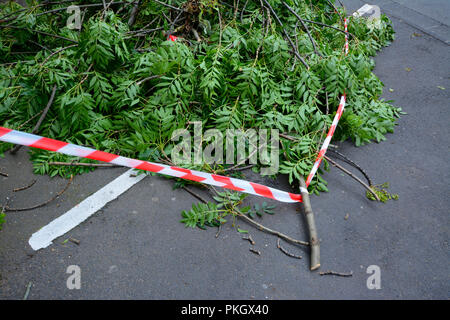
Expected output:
(315, 267)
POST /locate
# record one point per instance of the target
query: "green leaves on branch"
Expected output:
(126, 94)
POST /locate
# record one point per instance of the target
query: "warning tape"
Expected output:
(35, 141)
(334, 124)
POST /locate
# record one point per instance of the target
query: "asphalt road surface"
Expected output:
(136, 248)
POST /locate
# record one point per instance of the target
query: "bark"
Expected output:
(313, 238)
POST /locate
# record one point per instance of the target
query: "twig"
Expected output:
(148, 78)
(352, 163)
(239, 169)
(86, 76)
(38, 124)
(236, 10)
(172, 25)
(77, 242)
(44, 203)
(353, 176)
(195, 195)
(250, 239)
(168, 5)
(84, 6)
(17, 13)
(218, 231)
(325, 123)
(38, 44)
(143, 33)
(287, 252)
(328, 26)
(243, 10)
(340, 274)
(304, 26)
(40, 32)
(287, 137)
(133, 14)
(262, 228)
(336, 10)
(27, 292)
(294, 48)
(313, 238)
(3, 174)
(82, 164)
(26, 187)
(56, 52)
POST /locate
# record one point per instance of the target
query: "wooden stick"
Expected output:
(334, 273)
(313, 238)
(287, 252)
(353, 176)
(25, 187)
(42, 204)
(276, 233)
(82, 164)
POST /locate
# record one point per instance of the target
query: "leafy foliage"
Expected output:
(382, 193)
(126, 91)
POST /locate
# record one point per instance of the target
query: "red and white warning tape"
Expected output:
(35, 141)
(338, 115)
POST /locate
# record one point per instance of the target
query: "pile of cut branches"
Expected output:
(122, 87)
(108, 75)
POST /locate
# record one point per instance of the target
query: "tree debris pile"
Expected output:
(119, 84)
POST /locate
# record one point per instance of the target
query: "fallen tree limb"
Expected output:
(352, 163)
(353, 176)
(313, 238)
(258, 225)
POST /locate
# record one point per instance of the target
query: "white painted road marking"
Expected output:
(61, 225)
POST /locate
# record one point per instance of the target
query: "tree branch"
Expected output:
(313, 238)
(353, 176)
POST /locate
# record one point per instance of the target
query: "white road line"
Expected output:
(44, 237)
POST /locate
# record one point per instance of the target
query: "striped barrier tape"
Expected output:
(35, 141)
(334, 124)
